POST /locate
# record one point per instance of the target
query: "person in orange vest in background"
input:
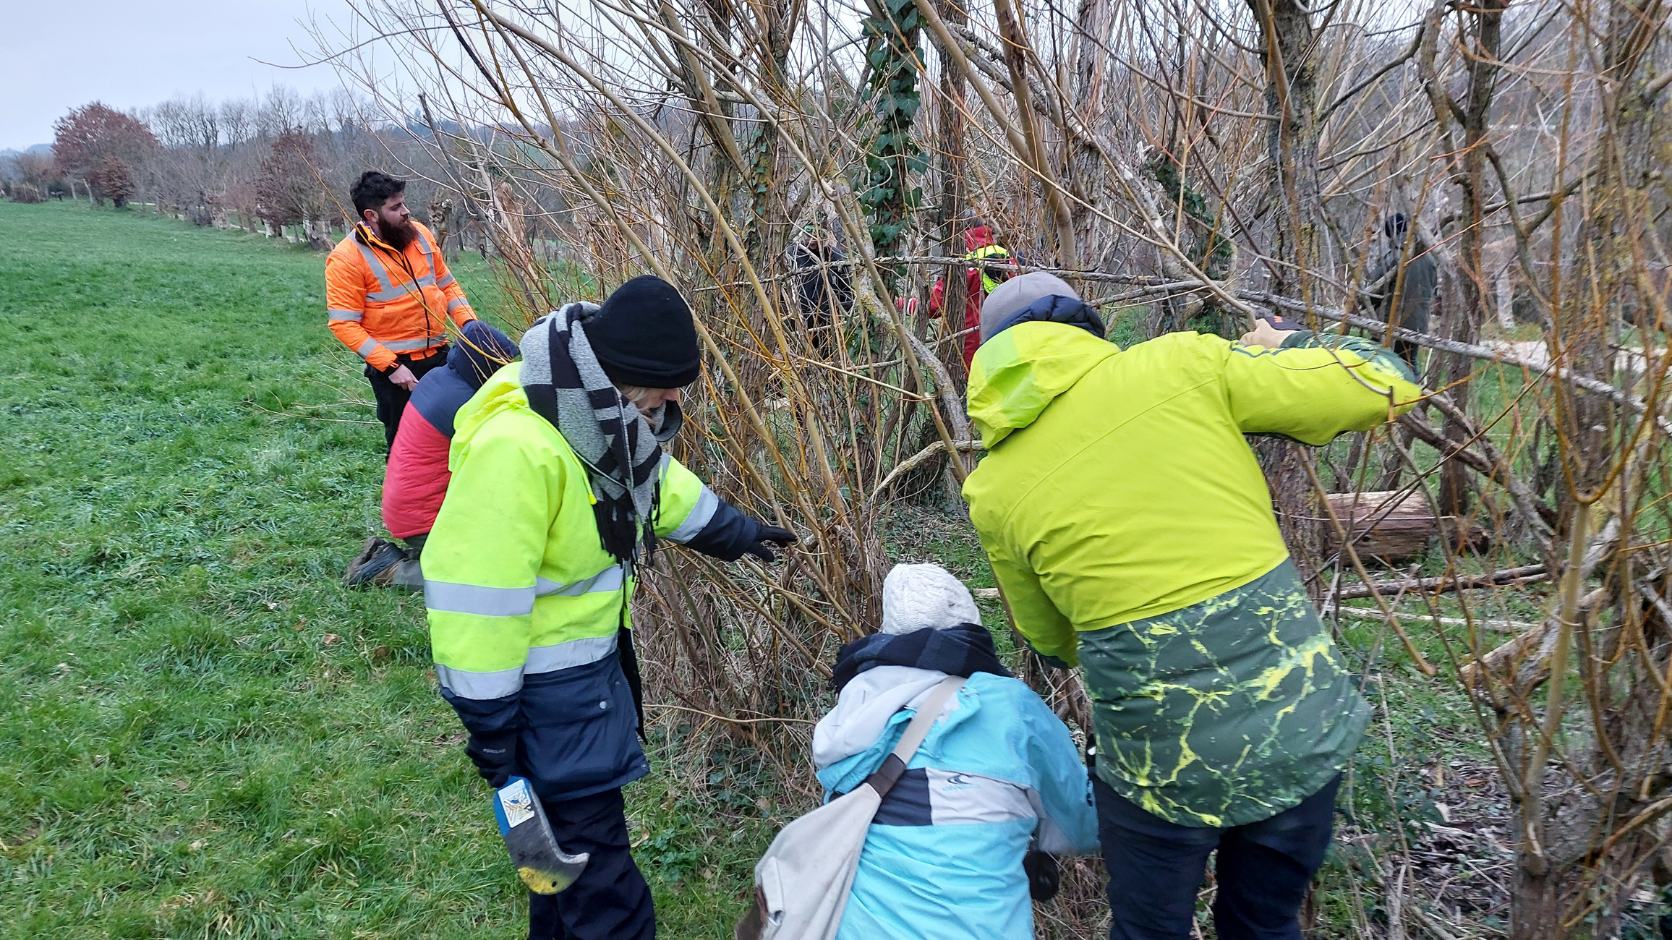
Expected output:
(990, 264)
(389, 295)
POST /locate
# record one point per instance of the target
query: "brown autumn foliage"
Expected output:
(91, 140)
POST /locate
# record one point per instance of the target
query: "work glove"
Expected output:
(495, 756)
(766, 538)
(1044, 877)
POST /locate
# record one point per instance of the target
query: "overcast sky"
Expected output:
(61, 54)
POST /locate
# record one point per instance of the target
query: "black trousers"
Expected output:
(610, 901)
(1263, 869)
(391, 398)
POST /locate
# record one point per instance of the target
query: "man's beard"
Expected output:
(399, 236)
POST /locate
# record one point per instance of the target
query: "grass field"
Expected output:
(204, 735)
(214, 738)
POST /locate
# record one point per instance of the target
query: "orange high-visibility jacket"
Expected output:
(381, 301)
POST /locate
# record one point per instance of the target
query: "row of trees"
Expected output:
(277, 161)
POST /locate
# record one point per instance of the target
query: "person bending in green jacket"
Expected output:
(1131, 530)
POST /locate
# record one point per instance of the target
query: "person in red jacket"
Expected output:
(416, 477)
(990, 264)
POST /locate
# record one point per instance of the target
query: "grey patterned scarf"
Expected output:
(620, 446)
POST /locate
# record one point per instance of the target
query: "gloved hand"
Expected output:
(766, 537)
(1044, 877)
(495, 756)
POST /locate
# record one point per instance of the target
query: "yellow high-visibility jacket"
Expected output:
(524, 603)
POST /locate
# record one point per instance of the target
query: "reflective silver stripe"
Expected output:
(409, 345)
(570, 654)
(396, 293)
(700, 516)
(970, 798)
(456, 303)
(365, 348)
(446, 281)
(337, 314)
(480, 685)
(476, 599)
(610, 579)
(378, 270)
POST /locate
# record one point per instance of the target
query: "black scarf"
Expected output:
(1056, 309)
(620, 446)
(962, 650)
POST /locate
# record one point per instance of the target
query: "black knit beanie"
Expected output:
(644, 334)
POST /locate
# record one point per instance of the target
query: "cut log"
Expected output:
(1390, 525)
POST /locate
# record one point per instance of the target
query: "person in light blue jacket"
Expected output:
(998, 778)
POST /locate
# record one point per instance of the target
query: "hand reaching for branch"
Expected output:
(1269, 333)
(767, 538)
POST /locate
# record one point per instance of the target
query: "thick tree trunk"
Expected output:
(1086, 169)
(1576, 852)
(1287, 42)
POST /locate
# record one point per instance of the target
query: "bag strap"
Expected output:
(886, 776)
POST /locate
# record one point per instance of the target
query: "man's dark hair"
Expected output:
(373, 190)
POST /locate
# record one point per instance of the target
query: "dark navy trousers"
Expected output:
(610, 901)
(1262, 871)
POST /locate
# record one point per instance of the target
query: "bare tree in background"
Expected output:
(1166, 157)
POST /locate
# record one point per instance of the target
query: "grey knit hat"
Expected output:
(925, 597)
(1016, 295)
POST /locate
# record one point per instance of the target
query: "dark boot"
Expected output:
(375, 563)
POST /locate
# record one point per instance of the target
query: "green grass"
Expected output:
(207, 736)
(204, 734)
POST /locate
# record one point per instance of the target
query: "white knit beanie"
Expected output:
(925, 597)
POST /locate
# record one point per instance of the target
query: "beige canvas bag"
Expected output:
(803, 881)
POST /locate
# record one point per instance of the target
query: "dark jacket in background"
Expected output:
(823, 288)
(1403, 298)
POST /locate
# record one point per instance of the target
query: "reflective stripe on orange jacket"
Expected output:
(381, 302)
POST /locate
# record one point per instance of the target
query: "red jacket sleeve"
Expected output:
(415, 480)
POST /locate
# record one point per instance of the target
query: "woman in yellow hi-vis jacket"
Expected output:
(560, 490)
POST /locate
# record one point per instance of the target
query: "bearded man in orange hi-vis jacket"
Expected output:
(389, 295)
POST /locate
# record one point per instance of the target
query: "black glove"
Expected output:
(767, 536)
(1044, 878)
(495, 756)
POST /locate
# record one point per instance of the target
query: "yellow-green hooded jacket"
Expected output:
(1129, 525)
